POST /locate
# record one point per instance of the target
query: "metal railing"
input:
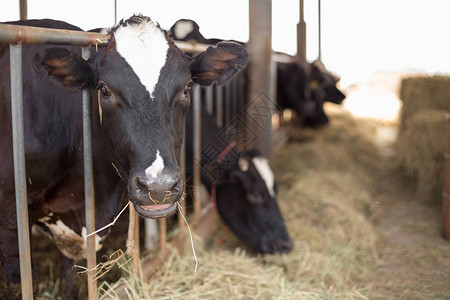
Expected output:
(218, 101)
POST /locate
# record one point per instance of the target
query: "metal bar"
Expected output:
(136, 248)
(241, 90)
(234, 97)
(115, 11)
(209, 99)
(197, 149)
(162, 233)
(182, 201)
(320, 29)
(301, 36)
(445, 226)
(23, 10)
(37, 35)
(191, 47)
(151, 233)
(260, 75)
(89, 186)
(19, 171)
(219, 106)
(227, 103)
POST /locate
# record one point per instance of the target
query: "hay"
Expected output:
(421, 147)
(421, 138)
(419, 93)
(329, 186)
(325, 195)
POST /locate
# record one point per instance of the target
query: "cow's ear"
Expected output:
(65, 69)
(218, 64)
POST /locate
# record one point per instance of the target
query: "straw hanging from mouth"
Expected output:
(110, 224)
(190, 235)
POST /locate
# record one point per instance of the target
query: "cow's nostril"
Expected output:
(175, 188)
(141, 184)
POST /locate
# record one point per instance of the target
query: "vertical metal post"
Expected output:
(234, 97)
(209, 99)
(89, 186)
(115, 12)
(301, 36)
(197, 149)
(228, 103)
(23, 10)
(446, 193)
(261, 72)
(19, 171)
(136, 246)
(162, 233)
(182, 201)
(320, 30)
(151, 233)
(219, 106)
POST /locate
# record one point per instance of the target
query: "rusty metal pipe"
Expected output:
(16, 34)
(89, 186)
(219, 106)
(182, 201)
(19, 171)
(446, 192)
(23, 9)
(196, 105)
(162, 233)
(209, 99)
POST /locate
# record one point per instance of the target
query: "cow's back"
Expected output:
(52, 119)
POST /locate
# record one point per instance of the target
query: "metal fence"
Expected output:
(222, 102)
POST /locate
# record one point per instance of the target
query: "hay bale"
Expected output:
(421, 148)
(418, 93)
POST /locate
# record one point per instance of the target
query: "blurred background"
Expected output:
(362, 41)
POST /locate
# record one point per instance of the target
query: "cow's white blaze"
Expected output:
(155, 168)
(144, 47)
(263, 168)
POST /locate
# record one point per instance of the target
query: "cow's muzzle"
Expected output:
(158, 198)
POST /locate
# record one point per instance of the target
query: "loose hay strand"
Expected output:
(190, 235)
(110, 224)
(104, 267)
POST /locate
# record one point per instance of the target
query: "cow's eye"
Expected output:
(187, 90)
(106, 92)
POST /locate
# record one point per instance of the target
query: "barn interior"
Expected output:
(365, 197)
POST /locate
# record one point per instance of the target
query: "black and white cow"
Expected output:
(243, 185)
(301, 88)
(188, 30)
(143, 81)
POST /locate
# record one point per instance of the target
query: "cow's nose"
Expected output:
(160, 191)
(284, 245)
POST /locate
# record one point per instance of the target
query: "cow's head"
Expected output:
(323, 84)
(144, 83)
(246, 201)
(294, 89)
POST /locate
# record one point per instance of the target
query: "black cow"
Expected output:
(143, 81)
(243, 185)
(303, 89)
